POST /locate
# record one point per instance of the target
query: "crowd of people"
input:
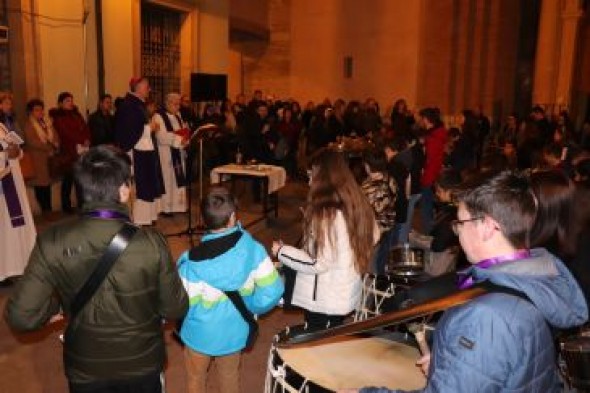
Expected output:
(499, 203)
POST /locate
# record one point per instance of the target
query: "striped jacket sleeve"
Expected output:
(301, 261)
(268, 287)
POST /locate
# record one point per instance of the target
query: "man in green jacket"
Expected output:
(115, 343)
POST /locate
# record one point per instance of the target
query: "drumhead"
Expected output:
(357, 362)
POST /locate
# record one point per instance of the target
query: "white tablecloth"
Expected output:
(276, 175)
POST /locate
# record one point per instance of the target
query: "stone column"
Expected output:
(546, 61)
(571, 15)
(24, 49)
(213, 37)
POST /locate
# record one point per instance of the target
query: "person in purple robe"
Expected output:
(134, 135)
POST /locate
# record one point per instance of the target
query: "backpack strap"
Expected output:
(495, 288)
(118, 244)
(238, 302)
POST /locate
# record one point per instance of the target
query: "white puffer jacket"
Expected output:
(329, 283)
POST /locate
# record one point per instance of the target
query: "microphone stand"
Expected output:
(199, 228)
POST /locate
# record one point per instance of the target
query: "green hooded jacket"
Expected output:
(118, 334)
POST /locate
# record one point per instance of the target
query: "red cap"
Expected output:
(134, 81)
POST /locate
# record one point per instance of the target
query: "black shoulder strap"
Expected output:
(238, 302)
(118, 244)
(495, 288)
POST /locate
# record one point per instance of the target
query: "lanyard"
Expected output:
(107, 214)
(466, 281)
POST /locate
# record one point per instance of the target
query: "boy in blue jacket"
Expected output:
(228, 259)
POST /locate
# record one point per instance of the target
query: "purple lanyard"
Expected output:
(107, 214)
(465, 281)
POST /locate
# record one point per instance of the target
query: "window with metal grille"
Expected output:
(5, 74)
(160, 49)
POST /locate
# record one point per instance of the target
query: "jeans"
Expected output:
(197, 366)
(381, 255)
(427, 209)
(406, 227)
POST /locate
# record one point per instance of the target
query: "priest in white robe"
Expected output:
(172, 133)
(17, 229)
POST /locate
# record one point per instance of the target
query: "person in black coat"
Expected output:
(102, 122)
(402, 119)
(398, 171)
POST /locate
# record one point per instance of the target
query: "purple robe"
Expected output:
(130, 120)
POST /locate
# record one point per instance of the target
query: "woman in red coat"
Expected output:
(74, 136)
(434, 146)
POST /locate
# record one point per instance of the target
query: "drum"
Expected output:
(576, 353)
(344, 362)
(405, 261)
(376, 290)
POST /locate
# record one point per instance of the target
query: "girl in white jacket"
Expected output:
(339, 236)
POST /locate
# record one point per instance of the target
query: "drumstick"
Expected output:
(387, 319)
(419, 331)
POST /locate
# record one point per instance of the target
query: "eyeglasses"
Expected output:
(456, 224)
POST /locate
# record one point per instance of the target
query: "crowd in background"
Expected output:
(410, 156)
(283, 132)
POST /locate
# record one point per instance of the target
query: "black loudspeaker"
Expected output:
(208, 87)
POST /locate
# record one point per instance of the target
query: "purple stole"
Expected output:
(15, 210)
(174, 152)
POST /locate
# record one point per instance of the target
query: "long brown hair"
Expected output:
(332, 189)
(553, 227)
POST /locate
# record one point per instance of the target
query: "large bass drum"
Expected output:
(344, 362)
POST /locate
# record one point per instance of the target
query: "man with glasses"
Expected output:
(502, 341)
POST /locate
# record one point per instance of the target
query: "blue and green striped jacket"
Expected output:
(213, 325)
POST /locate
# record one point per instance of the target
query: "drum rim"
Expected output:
(405, 338)
(405, 272)
(407, 264)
